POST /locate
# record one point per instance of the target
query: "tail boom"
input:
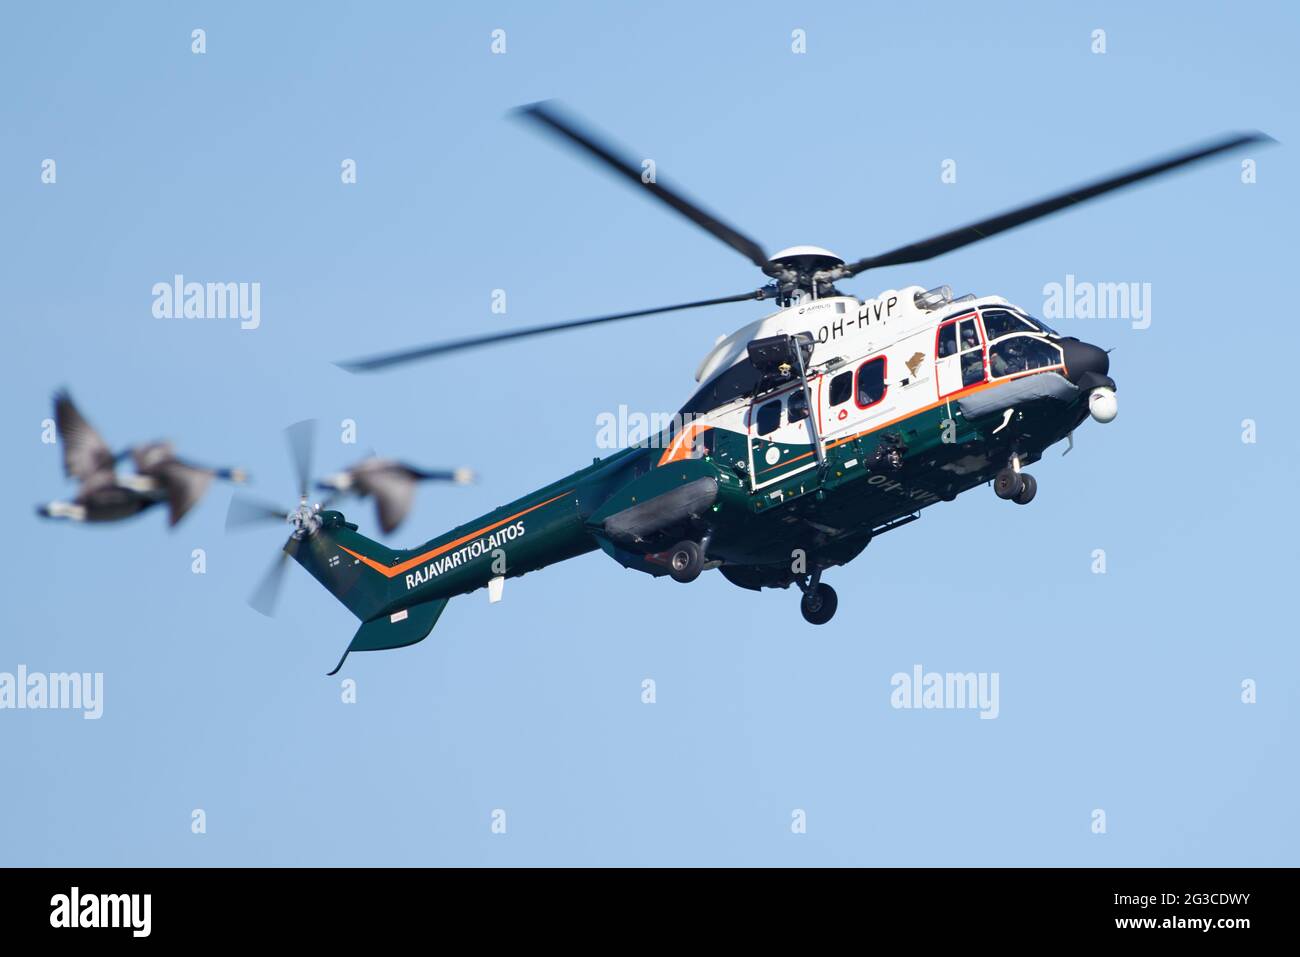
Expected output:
(399, 595)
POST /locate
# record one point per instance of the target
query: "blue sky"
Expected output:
(1119, 692)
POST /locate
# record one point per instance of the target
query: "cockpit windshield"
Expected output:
(999, 322)
(1039, 324)
(1003, 322)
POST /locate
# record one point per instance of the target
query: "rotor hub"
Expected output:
(804, 269)
(305, 519)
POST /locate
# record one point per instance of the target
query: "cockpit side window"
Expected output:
(768, 417)
(972, 352)
(947, 344)
(1022, 354)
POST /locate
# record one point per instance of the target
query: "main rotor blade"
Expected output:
(456, 345)
(244, 511)
(546, 114)
(946, 242)
(301, 436)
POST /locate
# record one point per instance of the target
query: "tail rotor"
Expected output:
(246, 511)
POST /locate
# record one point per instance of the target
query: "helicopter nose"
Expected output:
(1082, 357)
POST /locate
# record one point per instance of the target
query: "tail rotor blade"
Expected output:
(301, 437)
(245, 511)
(264, 598)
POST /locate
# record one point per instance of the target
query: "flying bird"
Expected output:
(390, 483)
(104, 495)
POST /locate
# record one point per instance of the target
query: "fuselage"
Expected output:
(910, 401)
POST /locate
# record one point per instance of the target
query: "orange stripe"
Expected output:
(395, 570)
(684, 444)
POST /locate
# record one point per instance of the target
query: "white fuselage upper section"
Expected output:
(841, 325)
(892, 329)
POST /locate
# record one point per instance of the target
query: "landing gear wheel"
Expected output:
(1028, 489)
(685, 561)
(818, 604)
(1008, 484)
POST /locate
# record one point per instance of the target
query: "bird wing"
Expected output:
(84, 452)
(184, 486)
(152, 458)
(393, 491)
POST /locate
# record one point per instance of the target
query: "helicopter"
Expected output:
(813, 430)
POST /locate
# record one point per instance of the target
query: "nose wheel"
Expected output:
(1018, 487)
(818, 603)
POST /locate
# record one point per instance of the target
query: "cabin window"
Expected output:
(768, 418)
(842, 388)
(1000, 322)
(797, 406)
(1021, 354)
(871, 382)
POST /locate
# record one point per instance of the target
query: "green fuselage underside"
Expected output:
(829, 512)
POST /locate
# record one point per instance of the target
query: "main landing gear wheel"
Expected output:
(686, 561)
(1008, 483)
(818, 604)
(1015, 485)
(1028, 489)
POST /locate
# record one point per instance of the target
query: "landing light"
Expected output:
(1103, 405)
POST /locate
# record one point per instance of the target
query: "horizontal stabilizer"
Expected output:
(402, 628)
